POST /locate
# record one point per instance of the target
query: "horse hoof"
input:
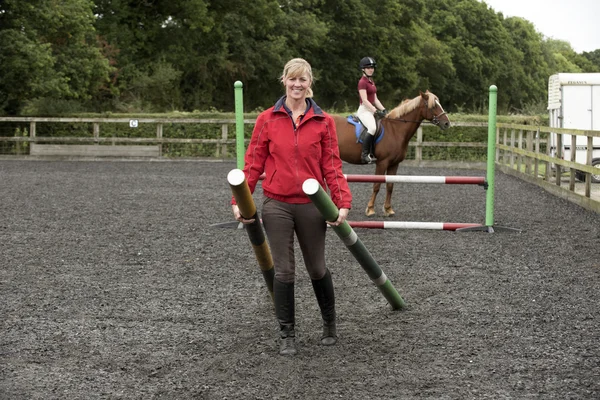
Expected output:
(369, 212)
(388, 212)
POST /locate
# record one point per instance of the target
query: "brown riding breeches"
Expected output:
(281, 220)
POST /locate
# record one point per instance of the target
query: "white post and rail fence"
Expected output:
(521, 150)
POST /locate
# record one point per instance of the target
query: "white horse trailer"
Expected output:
(574, 103)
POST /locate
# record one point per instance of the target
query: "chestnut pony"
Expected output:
(399, 125)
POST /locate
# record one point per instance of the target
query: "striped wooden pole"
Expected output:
(330, 212)
(243, 197)
(438, 226)
(447, 180)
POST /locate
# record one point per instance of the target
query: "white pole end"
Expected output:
(310, 186)
(236, 177)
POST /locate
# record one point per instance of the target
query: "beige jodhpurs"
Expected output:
(367, 118)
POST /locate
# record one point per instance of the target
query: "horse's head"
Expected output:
(434, 111)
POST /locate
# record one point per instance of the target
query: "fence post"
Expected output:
(548, 174)
(96, 130)
(419, 147)
(520, 147)
(571, 170)
(559, 154)
(224, 134)
(529, 146)
(159, 135)
(505, 158)
(536, 167)
(239, 124)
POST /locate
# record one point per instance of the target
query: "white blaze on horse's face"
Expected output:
(437, 102)
(295, 87)
(445, 123)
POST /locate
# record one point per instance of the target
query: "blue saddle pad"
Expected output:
(358, 128)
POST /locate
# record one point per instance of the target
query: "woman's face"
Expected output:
(295, 87)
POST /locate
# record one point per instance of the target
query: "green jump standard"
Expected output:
(323, 202)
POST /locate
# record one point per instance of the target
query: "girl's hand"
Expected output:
(342, 215)
(238, 216)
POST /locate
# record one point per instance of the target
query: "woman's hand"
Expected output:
(238, 216)
(380, 114)
(342, 215)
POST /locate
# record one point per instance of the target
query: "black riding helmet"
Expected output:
(367, 62)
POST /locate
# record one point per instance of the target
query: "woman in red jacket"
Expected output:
(293, 141)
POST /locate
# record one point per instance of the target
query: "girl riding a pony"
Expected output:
(369, 107)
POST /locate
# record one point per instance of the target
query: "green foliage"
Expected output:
(153, 89)
(49, 107)
(184, 55)
(594, 58)
(49, 50)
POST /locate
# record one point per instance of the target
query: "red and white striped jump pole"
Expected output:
(448, 180)
(435, 226)
(438, 226)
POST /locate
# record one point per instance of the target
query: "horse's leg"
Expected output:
(379, 170)
(370, 211)
(389, 188)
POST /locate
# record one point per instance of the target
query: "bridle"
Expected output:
(435, 119)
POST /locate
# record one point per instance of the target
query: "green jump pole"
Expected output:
(323, 202)
(243, 197)
(491, 157)
(491, 172)
(239, 123)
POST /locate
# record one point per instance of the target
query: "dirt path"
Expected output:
(114, 285)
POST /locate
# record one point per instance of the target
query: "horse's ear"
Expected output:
(424, 95)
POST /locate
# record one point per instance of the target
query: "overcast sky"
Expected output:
(574, 21)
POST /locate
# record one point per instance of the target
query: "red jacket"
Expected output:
(288, 157)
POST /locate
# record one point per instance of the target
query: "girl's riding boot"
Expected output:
(325, 297)
(366, 156)
(283, 294)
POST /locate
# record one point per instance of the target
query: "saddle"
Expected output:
(361, 130)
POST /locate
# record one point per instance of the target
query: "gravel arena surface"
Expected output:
(115, 286)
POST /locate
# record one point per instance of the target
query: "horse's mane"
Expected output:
(409, 105)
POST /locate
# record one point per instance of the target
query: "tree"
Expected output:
(594, 58)
(530, 71)
(560, 56)
(49, 50)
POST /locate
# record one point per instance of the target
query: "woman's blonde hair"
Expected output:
(297, 67)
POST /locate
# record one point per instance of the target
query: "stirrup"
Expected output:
(368, 159)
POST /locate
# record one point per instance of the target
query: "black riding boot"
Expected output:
(283, 294)
(366, 156)
(325, 297)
